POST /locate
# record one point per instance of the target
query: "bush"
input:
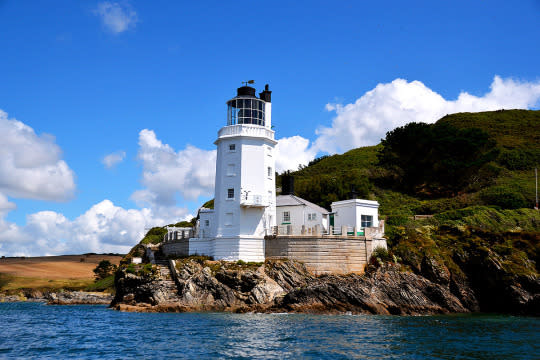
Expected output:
(382, 253)
(505, 197)
(131, 269)
(518, 159)
(104, 269)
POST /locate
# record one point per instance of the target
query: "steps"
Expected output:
(166, 280)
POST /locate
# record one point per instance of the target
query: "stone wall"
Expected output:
(322, 255)
(176, 247)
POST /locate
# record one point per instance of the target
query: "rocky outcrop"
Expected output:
(61, 297)
(78, 298)
(386, 290)
(212, 286)
(286, 285)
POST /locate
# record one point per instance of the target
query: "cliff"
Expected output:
(286, 286)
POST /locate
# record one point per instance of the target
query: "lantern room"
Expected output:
(246, 108)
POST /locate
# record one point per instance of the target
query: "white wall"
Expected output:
(349, 212)
(299, 216)
(207, 231)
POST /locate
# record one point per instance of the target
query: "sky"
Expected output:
(109, 109)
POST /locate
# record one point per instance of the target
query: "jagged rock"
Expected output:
(384, 291)
(78, 297)
(288, 274)
(435, 270)
(286, 285)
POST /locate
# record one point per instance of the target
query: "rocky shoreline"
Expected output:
(60, 298)
(286, 286)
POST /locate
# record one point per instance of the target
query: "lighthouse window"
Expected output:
(230, 193)
(245, 111)
(232, 147)
(269, 172)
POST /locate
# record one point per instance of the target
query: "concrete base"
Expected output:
(229, 249)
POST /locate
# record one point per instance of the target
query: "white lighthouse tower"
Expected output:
(245, 198)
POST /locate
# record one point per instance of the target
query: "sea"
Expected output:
(39, 331)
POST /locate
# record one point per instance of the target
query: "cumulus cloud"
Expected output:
(113, 159)
(293, 151)
(166, 173)
(5, 205)
(31, 165)
(389, 105)
(102, 228)
(116, 17)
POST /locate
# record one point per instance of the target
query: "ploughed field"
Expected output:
(50, 272)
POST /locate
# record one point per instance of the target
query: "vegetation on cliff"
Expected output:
(480, 250)
(463, 160)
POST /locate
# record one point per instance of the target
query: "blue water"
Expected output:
(31, 330)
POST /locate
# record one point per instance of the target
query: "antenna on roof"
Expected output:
(245, 83)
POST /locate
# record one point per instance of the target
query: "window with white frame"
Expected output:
(286, 217)
(230, 193)
(312, 216)
(269, 170)
(367, 220)
(232, 147)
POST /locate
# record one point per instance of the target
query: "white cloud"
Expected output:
(394, 104)
(102, 228)
(293, 151)
(116, 17)
(113, 159)
(30, 165)
(5, 205)
(166, 173)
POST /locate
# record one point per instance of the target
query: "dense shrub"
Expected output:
(104, 269)
(519, 159)
(435, 159)
(503, 196)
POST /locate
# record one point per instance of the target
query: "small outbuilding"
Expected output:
(293, 210)
(354, 213)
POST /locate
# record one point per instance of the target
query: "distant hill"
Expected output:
(507, 181)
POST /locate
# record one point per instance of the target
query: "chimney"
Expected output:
(287, 184)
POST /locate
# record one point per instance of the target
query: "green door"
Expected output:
(331, 219)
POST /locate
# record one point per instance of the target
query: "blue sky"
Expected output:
(147, 83)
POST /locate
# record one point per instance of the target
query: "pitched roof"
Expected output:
(292, 200)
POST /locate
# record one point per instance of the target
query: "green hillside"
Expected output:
(494, 153)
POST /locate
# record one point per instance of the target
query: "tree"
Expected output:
(104, 269)
(436, 159)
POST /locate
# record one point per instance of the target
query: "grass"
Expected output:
(106, 285)
(20, 282)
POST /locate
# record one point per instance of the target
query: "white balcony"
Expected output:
(246, 130)
(253, 201)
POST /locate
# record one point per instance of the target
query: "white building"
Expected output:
(245, 198)
(357, 213)
(297, 212)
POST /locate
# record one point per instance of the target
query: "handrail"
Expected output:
(246, 130)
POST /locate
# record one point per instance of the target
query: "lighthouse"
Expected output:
(245, 197)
